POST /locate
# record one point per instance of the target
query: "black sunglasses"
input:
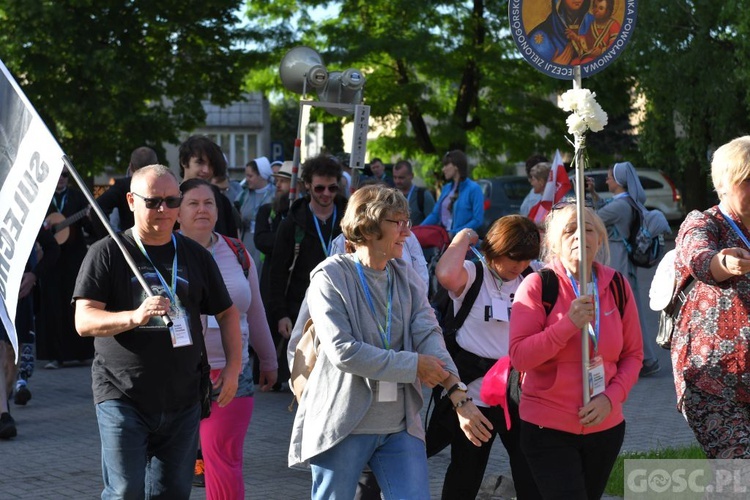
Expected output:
(333, 188)
(155, 203)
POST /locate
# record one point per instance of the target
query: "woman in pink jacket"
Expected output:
(571, 447)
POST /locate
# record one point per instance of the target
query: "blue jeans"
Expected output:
(399, 462)
(147, 455)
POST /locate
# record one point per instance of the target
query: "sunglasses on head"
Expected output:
(570, 202)
(333, 188)
(155, 203)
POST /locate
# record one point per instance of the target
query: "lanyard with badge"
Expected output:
(386, 390)
(500, 305)
(179, 330)
(61, 206)
(326, 248)
(596, 364)
(734, 226)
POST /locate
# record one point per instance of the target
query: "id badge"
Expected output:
(386, 391)
(180, 330)
(596, 376)
(500, 309)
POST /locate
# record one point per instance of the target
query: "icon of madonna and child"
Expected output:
(576, 31)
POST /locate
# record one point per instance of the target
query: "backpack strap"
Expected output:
(239, 250)
(299, 235)
(618, 290)
(550, 288)
(455, 323)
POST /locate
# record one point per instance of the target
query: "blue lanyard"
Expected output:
(483, 260)
(326, 248)
(171, 291)
(411, 190)
(385, 333)
(593, 332)
(62, 201)
(734, 227)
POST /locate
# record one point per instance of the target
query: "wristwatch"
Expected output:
(460, 386)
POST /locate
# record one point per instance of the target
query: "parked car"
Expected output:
(502, 196)
(661, 192)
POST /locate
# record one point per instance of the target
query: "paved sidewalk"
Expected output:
(56, 454)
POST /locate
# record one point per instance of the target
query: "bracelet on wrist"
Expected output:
(462, 403)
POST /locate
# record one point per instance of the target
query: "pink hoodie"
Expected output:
(548, 349)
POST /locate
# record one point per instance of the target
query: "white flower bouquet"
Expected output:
(586, 114)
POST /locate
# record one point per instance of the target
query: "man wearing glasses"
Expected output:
(304, 240)
(145, 375)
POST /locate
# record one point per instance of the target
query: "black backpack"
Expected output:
(451, 323)
(551, 287)
(645, 249)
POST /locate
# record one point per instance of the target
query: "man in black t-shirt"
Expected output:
(145, 376)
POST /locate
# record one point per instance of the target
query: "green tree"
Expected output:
(689, 58)
(110, 75)
(442, 75)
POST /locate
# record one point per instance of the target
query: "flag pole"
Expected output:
(105, 220)
(583, 277)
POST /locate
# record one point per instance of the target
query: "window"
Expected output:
(239, 148)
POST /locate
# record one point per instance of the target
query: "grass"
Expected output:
(616, 483)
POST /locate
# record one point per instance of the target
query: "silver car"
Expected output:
(661, 192)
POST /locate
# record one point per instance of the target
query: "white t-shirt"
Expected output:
(486, 330)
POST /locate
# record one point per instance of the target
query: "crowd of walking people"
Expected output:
(220, 277)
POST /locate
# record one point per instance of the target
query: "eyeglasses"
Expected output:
(155, 203)
(402, 224)
(333, 188)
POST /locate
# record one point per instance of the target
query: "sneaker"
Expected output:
(649, 369)
(7, 426)
(52, 365)
(22, 396)
(199, 478)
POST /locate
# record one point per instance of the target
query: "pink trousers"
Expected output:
(222, 439)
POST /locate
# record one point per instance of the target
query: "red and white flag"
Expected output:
(557, 186)
(30, 165)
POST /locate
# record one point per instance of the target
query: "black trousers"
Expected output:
(571, 466)
(464, 475)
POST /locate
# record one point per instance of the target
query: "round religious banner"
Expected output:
(556, 35)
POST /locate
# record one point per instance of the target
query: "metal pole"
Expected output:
(105, 220)
(583, 277)
(298, 142)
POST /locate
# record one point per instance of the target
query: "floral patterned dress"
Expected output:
(710, 350)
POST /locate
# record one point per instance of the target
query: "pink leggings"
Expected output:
(222, 439)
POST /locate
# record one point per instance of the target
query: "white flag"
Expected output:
(30, 165)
